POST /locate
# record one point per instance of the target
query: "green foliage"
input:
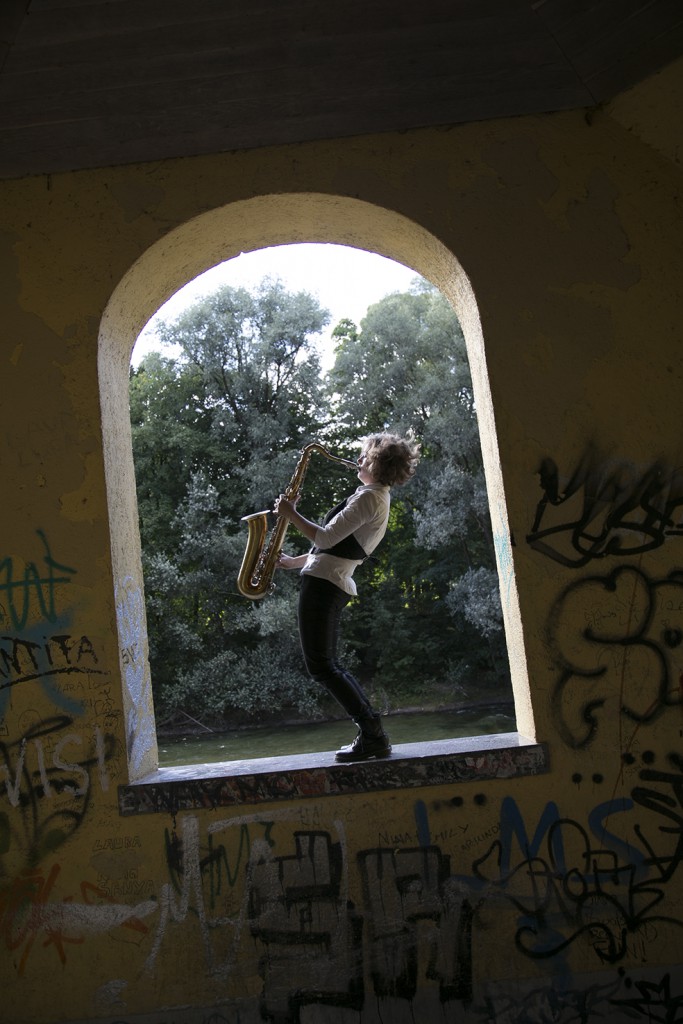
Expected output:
(217, 433)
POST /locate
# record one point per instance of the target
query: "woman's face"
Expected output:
(364, 475)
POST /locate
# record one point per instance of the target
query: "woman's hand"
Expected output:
(284, 507)
(290, 561)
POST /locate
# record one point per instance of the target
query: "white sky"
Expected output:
(344, 280)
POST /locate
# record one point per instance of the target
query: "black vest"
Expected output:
(347, 548)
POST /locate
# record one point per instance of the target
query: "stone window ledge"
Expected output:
(302, 776)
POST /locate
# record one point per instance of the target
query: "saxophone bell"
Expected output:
(249, 580)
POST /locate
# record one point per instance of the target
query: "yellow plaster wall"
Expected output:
(652, 112)
(559, 240)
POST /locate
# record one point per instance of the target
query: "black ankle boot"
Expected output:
(371, 741)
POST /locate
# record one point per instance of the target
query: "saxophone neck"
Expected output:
(316, 446)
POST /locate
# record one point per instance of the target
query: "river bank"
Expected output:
(406, 726)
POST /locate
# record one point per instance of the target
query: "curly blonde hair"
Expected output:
(389, 458)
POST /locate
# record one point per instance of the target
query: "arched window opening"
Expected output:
(419, 254)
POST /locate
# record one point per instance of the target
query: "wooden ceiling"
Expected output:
(88, 83)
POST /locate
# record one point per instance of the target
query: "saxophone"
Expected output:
(255, 578)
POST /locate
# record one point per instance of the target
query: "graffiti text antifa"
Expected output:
(24, 660)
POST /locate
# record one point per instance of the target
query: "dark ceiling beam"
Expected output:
(90, 83)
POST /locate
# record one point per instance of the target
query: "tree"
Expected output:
(260, 371)
(215, 433)
(171, 429)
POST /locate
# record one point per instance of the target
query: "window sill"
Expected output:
(304, 776)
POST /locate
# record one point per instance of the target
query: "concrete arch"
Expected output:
(183, 254)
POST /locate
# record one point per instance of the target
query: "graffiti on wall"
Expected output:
(605, 508)
(131, 620)
(30, 593)
(616, 637)
(48, 776)
(52, 762)
(550, 886)
(270, 896)
(652, 997)
(30, 915)
(49, 758)
(618, 642)
(33, 648)
(599, 884)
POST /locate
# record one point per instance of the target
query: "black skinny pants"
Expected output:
(320, 606)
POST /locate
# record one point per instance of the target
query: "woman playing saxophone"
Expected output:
(348, 535)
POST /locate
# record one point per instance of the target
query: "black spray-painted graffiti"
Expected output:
(560, 884)
(47, 775)
(299, 911)
(654, 1003)
(26, 660)
(605, 509)
(620, 998)
(618, 642)
(416, 912)
(588, 1000)
(600, 885)
(416, 929)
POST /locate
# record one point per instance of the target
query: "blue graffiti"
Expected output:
(39, 583)
(602, 882)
